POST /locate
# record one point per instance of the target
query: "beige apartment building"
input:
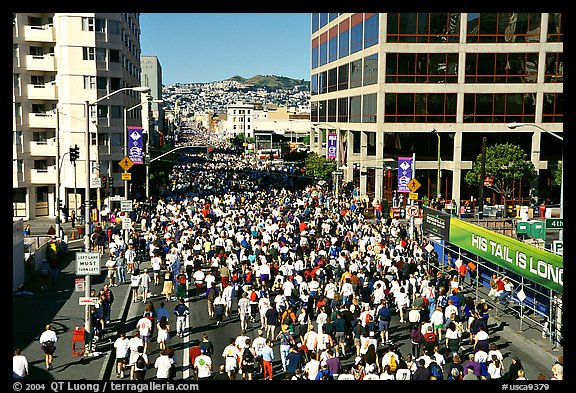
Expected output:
(383, 82)
(61, 63)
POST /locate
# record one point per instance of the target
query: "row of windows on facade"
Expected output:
(439, 68)
(439, 108)
(342, 40)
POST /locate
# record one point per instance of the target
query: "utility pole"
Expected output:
(482, 176)
(57, 173)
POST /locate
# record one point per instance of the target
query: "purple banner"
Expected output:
(135, 144)
(404, 173)
(331, 146)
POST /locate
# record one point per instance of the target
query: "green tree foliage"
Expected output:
(319, 166)
(507, 164)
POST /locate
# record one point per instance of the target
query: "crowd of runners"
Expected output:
(315, 276)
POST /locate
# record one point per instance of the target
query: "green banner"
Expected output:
(534, 264)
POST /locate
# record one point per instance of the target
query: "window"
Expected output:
(88, 53)
(370, 143)
(101, 54)
(343, 110)
(87, 24)
(553, 108)
(114, 56)
(423, 27)
(102, 111)
(503, 27)
(315, 22)
(315, 53)
(323, 19)
(554, 67)
(343, 77)
(332, 110)
(371, 70)
(324, 49)
(501, 67)
(321, 111)
(333, 45)
(100, 25)
(37, 51)
(115, 84)
(355, 109)
(422, 68)
(89, 82)
(116, 112)
(356, 33)
(419, 108)
(499, 108)
(101, 83)
(114, 27)
(356, 141)
(323, 82)
(356, 73)
(371, 30)
(555, 28)
(314, 84)
(332, 79)
(369, 108)
(344, 38)
(314, 111)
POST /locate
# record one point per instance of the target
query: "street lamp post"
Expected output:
(88, 285)
(433, 130)
(513, 126)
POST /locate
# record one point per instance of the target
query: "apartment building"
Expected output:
(64, 63)
(383, 82)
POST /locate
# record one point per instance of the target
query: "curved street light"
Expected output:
(88, 285)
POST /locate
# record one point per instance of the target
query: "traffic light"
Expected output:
(104, 181)
(74, 153)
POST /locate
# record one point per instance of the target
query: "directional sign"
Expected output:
(126, 163)
(413, 185)
(413, 196)
(412, 210)
(554, 223)
(83, 301)
(126, 205)
(87, 263)
(126, 223)
(126, 176)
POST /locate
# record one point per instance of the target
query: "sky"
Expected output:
(208, 47)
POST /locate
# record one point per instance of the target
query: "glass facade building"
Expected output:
(385, 80)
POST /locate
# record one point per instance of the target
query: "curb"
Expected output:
(106, 370)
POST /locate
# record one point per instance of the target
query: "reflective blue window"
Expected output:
(371, 31)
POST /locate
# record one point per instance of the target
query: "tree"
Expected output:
(319, 166)
(506, 164)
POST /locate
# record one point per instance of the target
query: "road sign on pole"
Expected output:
(554, 223)
(413, 210)
(87, 263)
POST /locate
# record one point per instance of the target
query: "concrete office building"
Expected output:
(152, 77)
(60, 62)
(384, 81)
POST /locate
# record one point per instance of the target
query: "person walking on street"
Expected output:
(135, 284)
(122, 347)
(130, 256)
(181, 311)
(203, 366)
(145, 328)
(111, 266)
(48, 341)
(121, 267)
(44, 274)
(19, 365)
(145, 284)
(163, 332)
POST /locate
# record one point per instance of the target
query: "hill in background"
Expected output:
(271, 81)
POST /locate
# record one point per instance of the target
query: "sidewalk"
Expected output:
(59, 306)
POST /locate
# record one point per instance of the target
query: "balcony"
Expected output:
(42, 120)
(43, 176)
(46, 91)
(44, 33)
(43, 148)
(45, 62)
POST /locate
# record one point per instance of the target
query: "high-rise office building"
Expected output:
(384, 81)
(61, 61)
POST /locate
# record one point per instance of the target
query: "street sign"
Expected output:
(412, 210)
(79, 284)
(126, 223)
(413, 196)
(413, 185)
(84, 301)
(126, 205)
(554, 223)
(558, 247)
(95, 181)
(126, 163)
(87, 263)
(126, 176)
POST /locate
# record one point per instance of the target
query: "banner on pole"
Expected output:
(331, 146)
(135, 144)
(404, 174)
